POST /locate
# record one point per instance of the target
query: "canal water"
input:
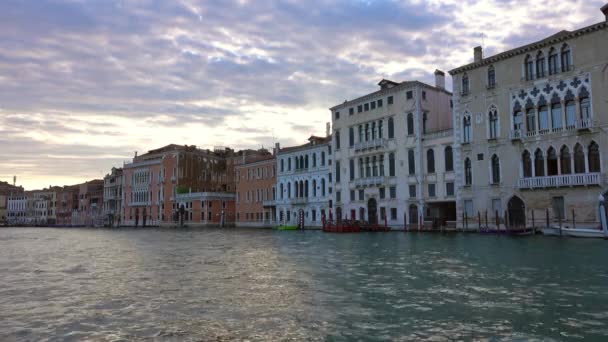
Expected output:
(220, 285)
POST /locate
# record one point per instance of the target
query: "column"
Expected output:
(537, 120)
(563, 103)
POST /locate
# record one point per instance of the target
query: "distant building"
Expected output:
(531, 129)
(113, 198)
(17, 209)
(67, 205)
(304, 182)
(3, 209)
(255, 191)
(90, 204)
(393, 159)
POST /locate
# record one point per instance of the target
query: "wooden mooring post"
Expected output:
(478, 221)
(573, 219)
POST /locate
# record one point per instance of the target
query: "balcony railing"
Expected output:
(582, 179)
(369, 181)
(580, 125)
(376, 143)
(269, 203)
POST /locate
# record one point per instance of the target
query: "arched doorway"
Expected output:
(372, 211)
(517, 213)
(413, 214)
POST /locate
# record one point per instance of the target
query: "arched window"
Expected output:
(579, 159)
(410, 124)
(337, 140)
(323, 158)
(314, 188)
(367, 132)
(466, 129)
(306, 162)
(289, 190)
(527, 164)
(565, 160)
(380, 133)
(361, 168)
(495, 169)
(282, 165)
(570, 114)
(556, 114)
(449, 159)
(553, 61)
(529, 68)
(491, 77)
(539, 163)
(361, 135)
(465, 84)
(314, 160)
(281, 187)
(323, 187)
(381, 166)
(368, 172)
(543, 119)
(411, 162)
(296, 189)
(493, 122)
(530, 120)
(585, 109)
(373, 131)
(468, 175)
(540, 65)
(551, 162)
(391, 164)
(566, 58)
(289, 164)
(306, 188)
(593, 154)
(391, 128)
(430, 161)
(518, 120)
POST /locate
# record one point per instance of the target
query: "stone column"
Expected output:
(563, 103)
(536, 120)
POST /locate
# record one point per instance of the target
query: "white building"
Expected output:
(393, 155)
(304, 182)
(113, 197)
(17, 210)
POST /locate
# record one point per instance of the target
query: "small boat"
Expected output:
(287, 227)
(575, 232)
(550, 231)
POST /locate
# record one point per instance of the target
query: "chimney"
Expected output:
(605, 11)
(439, 79)
(135, 154)
(277, 147)
(478, 54)
(327, 129)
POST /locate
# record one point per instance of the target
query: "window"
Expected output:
(359, 108)
(382, 213)
(337, 139)
(367, 132)
(466, 129)
(449, 159)
(351, 167)
(465, 84)
(361, 195)
(570, 114)
(351, 136)
(411, 162)
(431, 189)
(424, 95)
(314, 160)
(468, 208)
(527, 164)
(372, 105)
(352, 195)
(424, 118)
(412, 191)
(556, 115)
(338, 171)
(393, 213)
(468, 177)
(430, 161)
(566, 58)
(530, 120)
(579, 159)
(391, 164)
(551, 162)
(337, 115)
(493, 122)
(543, 119)
(282, 165)
(539, 163)
(558, 207)
(379, 103)
(449, 189)
(491, 77)
(389, 100)
(391, 128)
(322, 158)
(552, 62)
(322, 186)
(594, 157)
(540, 65)
(338, 196)
(585, 109)
(529, 68)
(565, 160)
(351, 111)
(518, 121)
(289, 164)
(409, 95)
(382, 192)
(366, 107)
(380, 135)
(495, 169)
(392, 192)
(381, 165)
(410, 124)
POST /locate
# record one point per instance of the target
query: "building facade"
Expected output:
(256, 192)
(531, 130)
(304, 183)
(393, 159)
(113, 198)
(90, 204)
(18, 209)
(67, 205)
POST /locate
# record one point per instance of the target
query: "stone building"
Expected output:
(531, 129)
(18, 209)
(90, 204)
(67, 205)
(113, 198)
(256, 191)
(3, 209)
(393, 157)
(304, 182)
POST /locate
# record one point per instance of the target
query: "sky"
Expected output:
(86, 83)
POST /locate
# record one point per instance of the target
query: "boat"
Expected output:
(287, 227)
(575, 232)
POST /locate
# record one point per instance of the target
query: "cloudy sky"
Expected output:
(85, 83)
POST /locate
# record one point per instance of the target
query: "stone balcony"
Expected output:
(369, 181)
(581, 179)
(269, 203)
(579, 125)
(372, 144)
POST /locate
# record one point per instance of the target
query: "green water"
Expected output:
(175, 285)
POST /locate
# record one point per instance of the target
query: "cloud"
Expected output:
(80, 79)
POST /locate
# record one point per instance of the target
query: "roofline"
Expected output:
(399, 86)
(550, 40)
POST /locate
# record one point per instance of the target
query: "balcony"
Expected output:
(370, 181)
(579, 125)
(581, 179)
(516, 134)
(300, 200)
(365, 145)
(269, 203)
